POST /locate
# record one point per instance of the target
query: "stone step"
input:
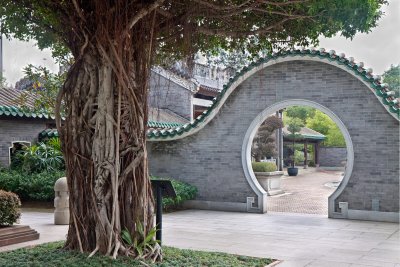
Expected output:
(17, 234)
(13, 229)
(11, 235)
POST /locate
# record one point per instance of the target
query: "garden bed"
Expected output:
(52, 254)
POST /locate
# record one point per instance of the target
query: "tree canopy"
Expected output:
(325, 125)
(300, 112)
(44, 86)
(317, 121)
(184, 27)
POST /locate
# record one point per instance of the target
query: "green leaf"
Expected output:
(126, 237)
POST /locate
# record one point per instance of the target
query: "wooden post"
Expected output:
(316, 154)
(279, 144)
(280, 133)
(305, 154)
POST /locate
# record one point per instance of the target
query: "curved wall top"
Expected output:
(212, 158)
(373, 82)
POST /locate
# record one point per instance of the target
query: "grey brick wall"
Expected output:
(17, 129)
(332, 156)
(211, 158)
(164, 93)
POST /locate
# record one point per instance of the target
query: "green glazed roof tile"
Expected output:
(12, 111)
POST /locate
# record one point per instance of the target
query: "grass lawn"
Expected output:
(51, 254)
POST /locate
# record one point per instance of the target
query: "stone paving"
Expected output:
(305, 193)
(297, 239)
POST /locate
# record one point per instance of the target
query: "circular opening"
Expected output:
(261, 205)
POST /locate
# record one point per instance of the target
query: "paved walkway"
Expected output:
(297, 239)
(305, 193)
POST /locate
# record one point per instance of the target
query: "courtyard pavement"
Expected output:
(307, 192)
(297, 239)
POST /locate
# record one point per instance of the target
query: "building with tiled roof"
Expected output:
(20, 126)
(188, 93)
(9, 96)
(304, 134)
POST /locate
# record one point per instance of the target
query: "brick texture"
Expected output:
(332, 156)
(164, 93)
(17, 129)
(211, 158)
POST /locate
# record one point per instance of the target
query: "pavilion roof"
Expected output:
(305, 133)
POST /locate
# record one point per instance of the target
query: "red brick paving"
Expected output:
(306, 192)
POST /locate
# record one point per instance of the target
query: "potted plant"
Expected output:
(294, 127)
(268, 177)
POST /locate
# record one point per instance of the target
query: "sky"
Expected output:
(378, 49)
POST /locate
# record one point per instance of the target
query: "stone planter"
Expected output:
(270, 181)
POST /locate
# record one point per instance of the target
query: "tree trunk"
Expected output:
(104, 144)
(293, 162)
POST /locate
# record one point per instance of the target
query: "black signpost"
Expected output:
(162, 188)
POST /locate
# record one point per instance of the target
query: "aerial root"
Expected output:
(94, 251)
(116, 249)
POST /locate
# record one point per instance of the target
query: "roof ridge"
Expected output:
(14, 111)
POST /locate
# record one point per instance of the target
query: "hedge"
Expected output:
(30, 186)
(40, 186)
(263, 166)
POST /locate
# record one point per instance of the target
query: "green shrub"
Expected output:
(9, 208)
(184, 191)
(299, 157)
(311, 163)
(263, 166)
(44, 156)
(30, 186)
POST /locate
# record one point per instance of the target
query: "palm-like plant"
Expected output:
(44, 156)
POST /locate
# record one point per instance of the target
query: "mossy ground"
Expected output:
(52, 254)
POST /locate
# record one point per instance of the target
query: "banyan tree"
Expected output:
(114, 44)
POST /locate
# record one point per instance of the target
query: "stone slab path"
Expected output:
(305, 193)
(297, 239)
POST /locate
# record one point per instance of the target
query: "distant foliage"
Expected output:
(235, 60)
(9, 208)
(325, 125)
(3, 83)
(44, 85)
(392, 78)
(318, 121)
(300, 112)
(298, 157)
